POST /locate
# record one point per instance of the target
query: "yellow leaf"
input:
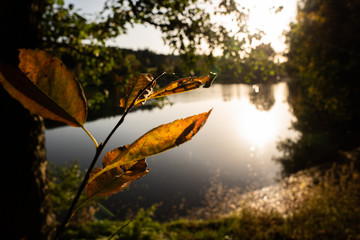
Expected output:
(45, 87)
(116, 179)
(155, 141)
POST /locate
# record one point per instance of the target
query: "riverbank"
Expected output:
(307, 205)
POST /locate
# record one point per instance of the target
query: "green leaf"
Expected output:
(45, 87)
(155, 141)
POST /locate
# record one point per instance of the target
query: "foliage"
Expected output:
(260, 64)
(197, 31)
(142, 226)
(82, 41)
(329, 210)
(323, 63)
(257, 66)
(322, 56)
(63, 183)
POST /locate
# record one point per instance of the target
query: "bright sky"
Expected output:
(262, 16)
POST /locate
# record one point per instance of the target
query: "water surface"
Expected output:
(238, 143)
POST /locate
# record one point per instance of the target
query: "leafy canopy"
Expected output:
(190, 27)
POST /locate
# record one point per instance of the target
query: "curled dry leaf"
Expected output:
(156, 141)
(134, 87)
(116, 179)
(175, 87)
(184, 85)
(46, 87)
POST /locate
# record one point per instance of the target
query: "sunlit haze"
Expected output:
(263, 16)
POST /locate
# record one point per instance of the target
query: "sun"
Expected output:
(272, 17)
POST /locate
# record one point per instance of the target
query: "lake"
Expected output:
(236, 145)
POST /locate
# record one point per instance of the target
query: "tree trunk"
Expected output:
(25, 211)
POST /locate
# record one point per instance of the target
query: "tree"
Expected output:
(26, 208)
(260, 65)
(324, 65)
(187, 26)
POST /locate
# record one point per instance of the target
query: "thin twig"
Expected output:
(130, 107)
(99, 149)
(80, 190)
(121, 228)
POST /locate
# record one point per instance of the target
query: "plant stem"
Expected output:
(121, 228)
(141, 92)
(91, 136)
(79, 192)
(99, 149)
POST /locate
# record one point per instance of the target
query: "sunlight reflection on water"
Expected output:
(238, 140)
(261, 127)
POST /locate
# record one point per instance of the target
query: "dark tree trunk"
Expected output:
(25, 209)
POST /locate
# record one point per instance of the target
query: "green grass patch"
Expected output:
(329, 209)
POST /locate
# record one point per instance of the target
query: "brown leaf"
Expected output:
(116, 179)
(175, 87)
(155, 141)
(209, 82)
(45, 87)
(134, 87)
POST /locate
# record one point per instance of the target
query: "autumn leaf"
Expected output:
(175, 87)
(116, 179)
(134, 87)
(184, 85)
(155, 141)
(210, 81)
(46, 87)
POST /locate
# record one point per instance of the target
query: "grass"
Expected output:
(329, 209)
